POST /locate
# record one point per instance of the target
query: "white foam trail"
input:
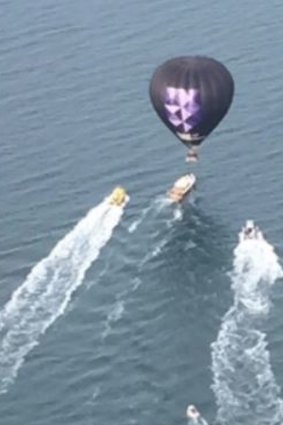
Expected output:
(244, 385)
(162, 202)
(178, 214)
(117, 309)
(115, 313)
(156, 205)
(133, 227)
(47, 290)
(199, 421)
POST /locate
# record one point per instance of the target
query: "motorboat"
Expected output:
(193, 413)
(182, 187)
(250, 231)
(194, 416)
(118, 197)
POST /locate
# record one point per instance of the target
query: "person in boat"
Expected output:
(251, 231)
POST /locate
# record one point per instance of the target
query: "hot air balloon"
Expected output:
(191, 95)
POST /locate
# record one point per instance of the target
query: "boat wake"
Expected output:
(133, 226)
(117, 309)
(47, 290)
(243, 382)
(158, 205)
(158, 240)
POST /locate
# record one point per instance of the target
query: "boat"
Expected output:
(182, 187)
(194, 416)
(250, 231)
(193, 413)
(118, 197)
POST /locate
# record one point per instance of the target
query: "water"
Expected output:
(244, 384)
(47, 291)
(127, 337)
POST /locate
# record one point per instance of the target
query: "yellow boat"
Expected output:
(118, 197)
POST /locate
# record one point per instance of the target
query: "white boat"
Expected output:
(194, 416)
(182, 187)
